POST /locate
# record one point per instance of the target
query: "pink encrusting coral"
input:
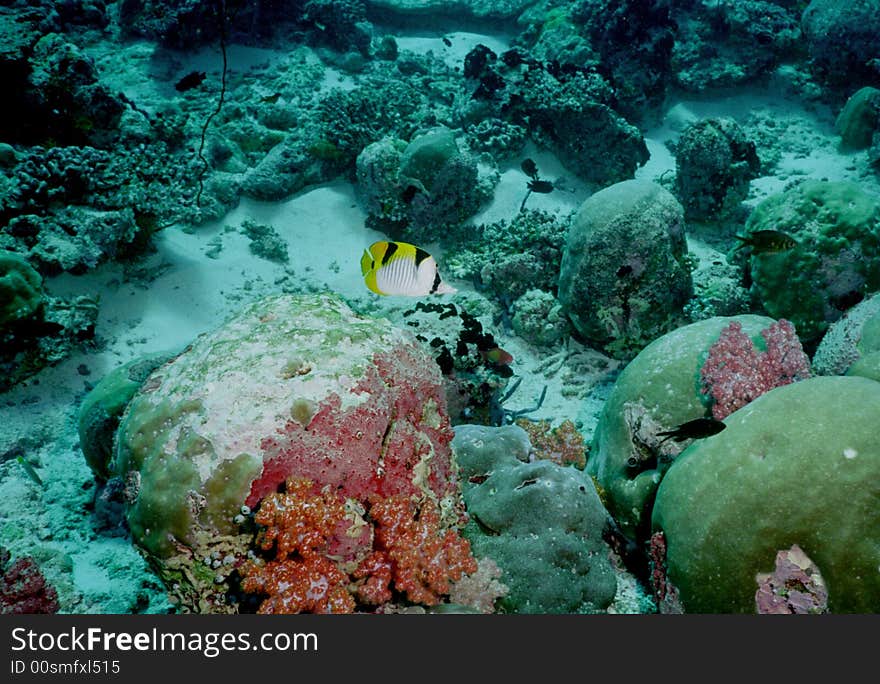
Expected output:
(795, 587)
(736, 372)
(395, 443)
(23, 589)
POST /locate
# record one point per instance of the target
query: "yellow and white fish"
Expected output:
(399, 268)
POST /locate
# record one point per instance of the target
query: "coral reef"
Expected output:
(714, 162)
(569, 111)
(798, 465)
(835, 262)
(726, 44)
(735, 372)
(507, 258)
(309, 390)
(841, 40)
(624, 279)
(539, 319)
(23, 589)
(656, 391)
(854, 338)
(858, 123)
(534, 519)
(424, 190)
(36, 330)
(633, 41)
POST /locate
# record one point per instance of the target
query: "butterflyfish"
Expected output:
(399, 268)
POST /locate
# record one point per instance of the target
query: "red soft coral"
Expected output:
(23, 589)
(312, 585)
(735, 372)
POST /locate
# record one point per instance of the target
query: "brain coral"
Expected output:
(293, 386)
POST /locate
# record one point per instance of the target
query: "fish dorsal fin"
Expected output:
(421, 255)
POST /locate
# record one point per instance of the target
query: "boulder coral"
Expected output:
(541, 522)
(835, 263)
(624, 279)
(657, 391)
(293, 386)
(852, 345)
(799, 465)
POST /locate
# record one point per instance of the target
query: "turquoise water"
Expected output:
(513, 306)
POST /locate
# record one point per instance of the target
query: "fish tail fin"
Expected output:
(743, 241)
(444, 288)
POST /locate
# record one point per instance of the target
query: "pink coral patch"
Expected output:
(373, 447)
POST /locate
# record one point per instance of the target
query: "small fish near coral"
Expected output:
(766, 241)
(496, 356)
(399, 268)
(543, 187)
(192, 80)
(693, 429)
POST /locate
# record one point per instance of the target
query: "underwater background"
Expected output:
(516, 306)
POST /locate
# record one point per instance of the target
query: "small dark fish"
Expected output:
(191, 80)
(409, 193)
(541, 186)
(271, 99)
(766, 241)
(529, 168)
(447, 42)
(693, 429)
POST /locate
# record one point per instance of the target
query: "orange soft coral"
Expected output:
(423, 558)
(412, 553)
(299, 521)
(313, 585)
(299, 524)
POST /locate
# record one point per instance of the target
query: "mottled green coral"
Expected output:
(657, 391)
(542, 523)
(101, 409)
(624, 278)
(859, 119)
(21, 288)
(798, 465)
(836, 260)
